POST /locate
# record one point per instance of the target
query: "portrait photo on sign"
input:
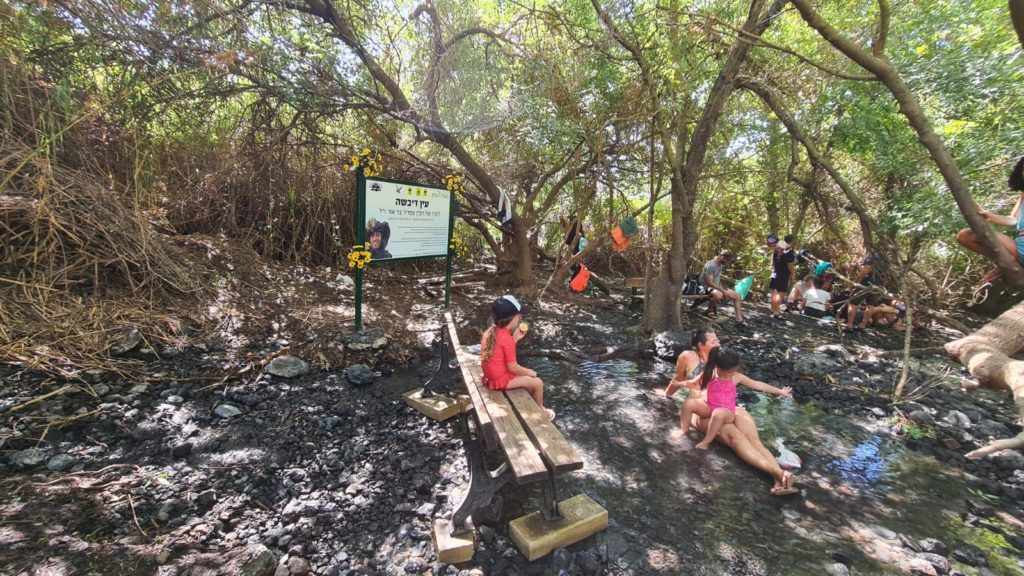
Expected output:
(378, 234)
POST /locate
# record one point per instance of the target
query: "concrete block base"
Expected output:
(438, 407)
(535, 536)
(452, 549)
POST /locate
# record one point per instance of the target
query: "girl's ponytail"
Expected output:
(709, 367)
(487, 347)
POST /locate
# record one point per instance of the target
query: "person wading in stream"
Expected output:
(740, 435)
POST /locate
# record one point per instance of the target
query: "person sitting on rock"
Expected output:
(795, 300)
(498, 352)
(816, 300)
(1012, 244)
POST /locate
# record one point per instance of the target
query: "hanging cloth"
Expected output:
(629, 227)
(504, 209)
(619, 240)
(579, 282)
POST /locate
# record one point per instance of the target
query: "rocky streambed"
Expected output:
(304, 472)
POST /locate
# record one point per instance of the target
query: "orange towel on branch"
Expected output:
(579, 282)
(619, 240)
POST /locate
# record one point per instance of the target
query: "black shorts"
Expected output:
(813, 312)
(864, 297)
(780, 284)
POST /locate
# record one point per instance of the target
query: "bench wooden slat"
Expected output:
(523, 457)
(554, 448)
(634, 282)
(473, 377)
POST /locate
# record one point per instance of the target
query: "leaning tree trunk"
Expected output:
(986, 354)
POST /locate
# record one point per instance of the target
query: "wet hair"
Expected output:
(1017, 176)
(788, 239)
(700, 336)
(810, 277)
(818, 282)
(491, 336)
(724, 358)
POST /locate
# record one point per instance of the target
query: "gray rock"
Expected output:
(139, 389)
(921, 417)
(207, 498)
(371, 339)
(940, 564)
(298, 566)
(359, 375)
(27, 458)
(668, 345)
(61, 462)
(837, 569)
(833, 350)
(814, 365)
(299, 507)
(101, 389)
(93, 376)
(169, 352)
(990, 429)
(227, 411)
(345, 281)
(970, 555)
(288, 367)
(253, 560)
(1009, 460)
(933, 546)
(958, 419)
(125, 343)
(922, 567)
(877, 412)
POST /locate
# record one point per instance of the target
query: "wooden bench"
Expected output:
(532, 451)
(636, 291)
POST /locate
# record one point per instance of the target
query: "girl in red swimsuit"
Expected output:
(498, 352)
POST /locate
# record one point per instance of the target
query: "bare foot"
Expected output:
(703, 445)
(672, 388)
(786, 486)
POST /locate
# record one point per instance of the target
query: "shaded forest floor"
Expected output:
(187, 457)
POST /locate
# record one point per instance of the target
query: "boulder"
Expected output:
(921, 417)
(288, 367)
(958, 419)
(227, 411)
(125, 343)
(359, 375)
(1009, 460)
(814, 365)
(61, 462)
(970, 555)
(29, 458)
(371, 339)
(990, 429)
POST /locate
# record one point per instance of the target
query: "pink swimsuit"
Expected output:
(722, 394)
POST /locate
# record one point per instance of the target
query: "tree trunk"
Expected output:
(1017, 17)
(663, 312)
(986, 354)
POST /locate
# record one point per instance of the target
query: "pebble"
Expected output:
(61, 462)
(227, 411)
(288, 367)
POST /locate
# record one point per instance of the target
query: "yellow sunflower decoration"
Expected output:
(359, 257)
(458, 247)
(456, 183)
(370, 161)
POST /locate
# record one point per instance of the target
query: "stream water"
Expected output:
(674, 509)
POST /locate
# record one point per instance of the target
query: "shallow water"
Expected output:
(677, 510)
(691, 511)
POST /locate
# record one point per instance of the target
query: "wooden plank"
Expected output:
(554, 448)
(497, 418)
(523, 457)
(634, 282)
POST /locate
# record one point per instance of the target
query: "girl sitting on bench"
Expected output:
(498, 352)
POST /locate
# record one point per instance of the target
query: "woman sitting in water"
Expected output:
(719, 380)
(741, 435)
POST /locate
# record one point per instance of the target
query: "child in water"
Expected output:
(721, 374)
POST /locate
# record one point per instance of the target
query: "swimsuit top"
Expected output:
(722, 394)
(697, 369)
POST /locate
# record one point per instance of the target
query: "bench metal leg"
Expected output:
(483, 483)
(446, 372)
(550, 510)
